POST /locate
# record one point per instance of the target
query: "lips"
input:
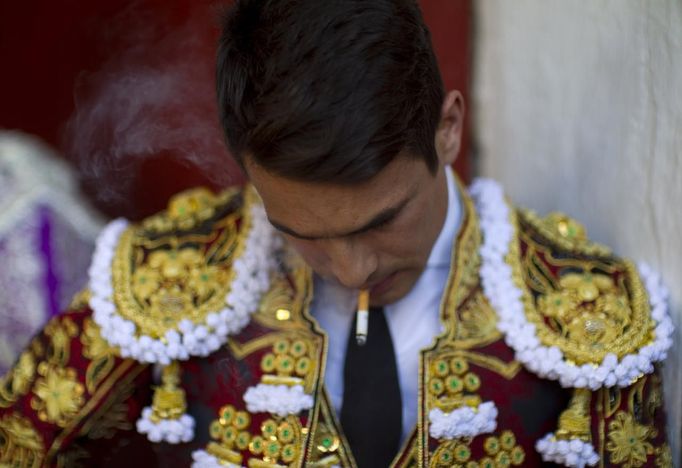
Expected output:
(382, 286)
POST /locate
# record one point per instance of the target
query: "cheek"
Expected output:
(313, 255)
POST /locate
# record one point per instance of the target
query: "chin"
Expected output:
(399, 290)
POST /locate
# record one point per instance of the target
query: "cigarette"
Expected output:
(362, 322)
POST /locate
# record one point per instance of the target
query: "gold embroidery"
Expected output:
(655, 399)
(327, 447)
(565, 232)
(112, 415)
(473, 325)
(127, 368)
(230, 430)
(280, 440)
(60, 330)
(591, 308)
(290, 363)
(450, 384)
(80, 300)
(162, 276)
(476, 323)
(188, 209)
(501, 451)
(574, 422)
(169, 400)
(73, 457)
(57, 394)
(99, 352)
(20, 443)
(628, 441)
(664, 456)
(18, 380)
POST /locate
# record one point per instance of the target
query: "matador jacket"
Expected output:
(193, 346)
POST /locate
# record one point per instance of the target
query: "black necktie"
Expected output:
(371, 414)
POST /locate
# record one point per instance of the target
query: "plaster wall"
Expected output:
(578, 107)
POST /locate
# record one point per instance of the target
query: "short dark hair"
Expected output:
(328, 91)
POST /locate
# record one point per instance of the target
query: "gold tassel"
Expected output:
(574, 422)
(169, 400)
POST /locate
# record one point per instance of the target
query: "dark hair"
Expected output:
(328, 91)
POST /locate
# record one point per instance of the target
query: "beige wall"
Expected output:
(578, 107)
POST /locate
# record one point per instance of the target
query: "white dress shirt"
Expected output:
(413, 320)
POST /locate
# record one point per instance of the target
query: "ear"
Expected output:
(449, 131)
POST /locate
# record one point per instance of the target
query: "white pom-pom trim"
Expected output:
(172, 431)
(251, 280)
(281, 400)
(574, 453)
(506, 298)
(203, 459)
(463, 422)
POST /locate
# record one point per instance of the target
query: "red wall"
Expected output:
(55, 54)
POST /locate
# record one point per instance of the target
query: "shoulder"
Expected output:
(571, 309)
(170, 286)
(606, 315)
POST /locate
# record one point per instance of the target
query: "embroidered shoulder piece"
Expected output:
(607, 318)
(177, 285)
(571, 311)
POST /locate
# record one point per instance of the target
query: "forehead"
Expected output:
(317, 209)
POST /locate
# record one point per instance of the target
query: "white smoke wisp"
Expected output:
(153, 98)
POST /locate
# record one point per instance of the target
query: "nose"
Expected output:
(350, 261)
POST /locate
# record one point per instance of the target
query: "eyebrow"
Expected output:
(382, 217)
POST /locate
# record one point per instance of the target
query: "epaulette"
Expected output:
(571, 310)
(177, 285)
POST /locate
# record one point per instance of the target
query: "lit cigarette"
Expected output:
(362, 323)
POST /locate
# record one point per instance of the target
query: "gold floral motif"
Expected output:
(291, 362)
(282, 440)
(17, 381)
(502, 451)
(279, 441)
(628, 442)
(231, 434)
(173, 281)
(451, 384)
(163, 272)
(20, 443)
(57, 394)
(589, 308)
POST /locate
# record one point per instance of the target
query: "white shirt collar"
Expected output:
(442, 248)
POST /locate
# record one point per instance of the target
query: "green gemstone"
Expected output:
(327, 442)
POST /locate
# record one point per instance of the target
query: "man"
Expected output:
(494, 337)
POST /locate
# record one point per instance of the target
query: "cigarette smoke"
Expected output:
(153, 97)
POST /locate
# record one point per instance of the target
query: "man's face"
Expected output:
(376, 235)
